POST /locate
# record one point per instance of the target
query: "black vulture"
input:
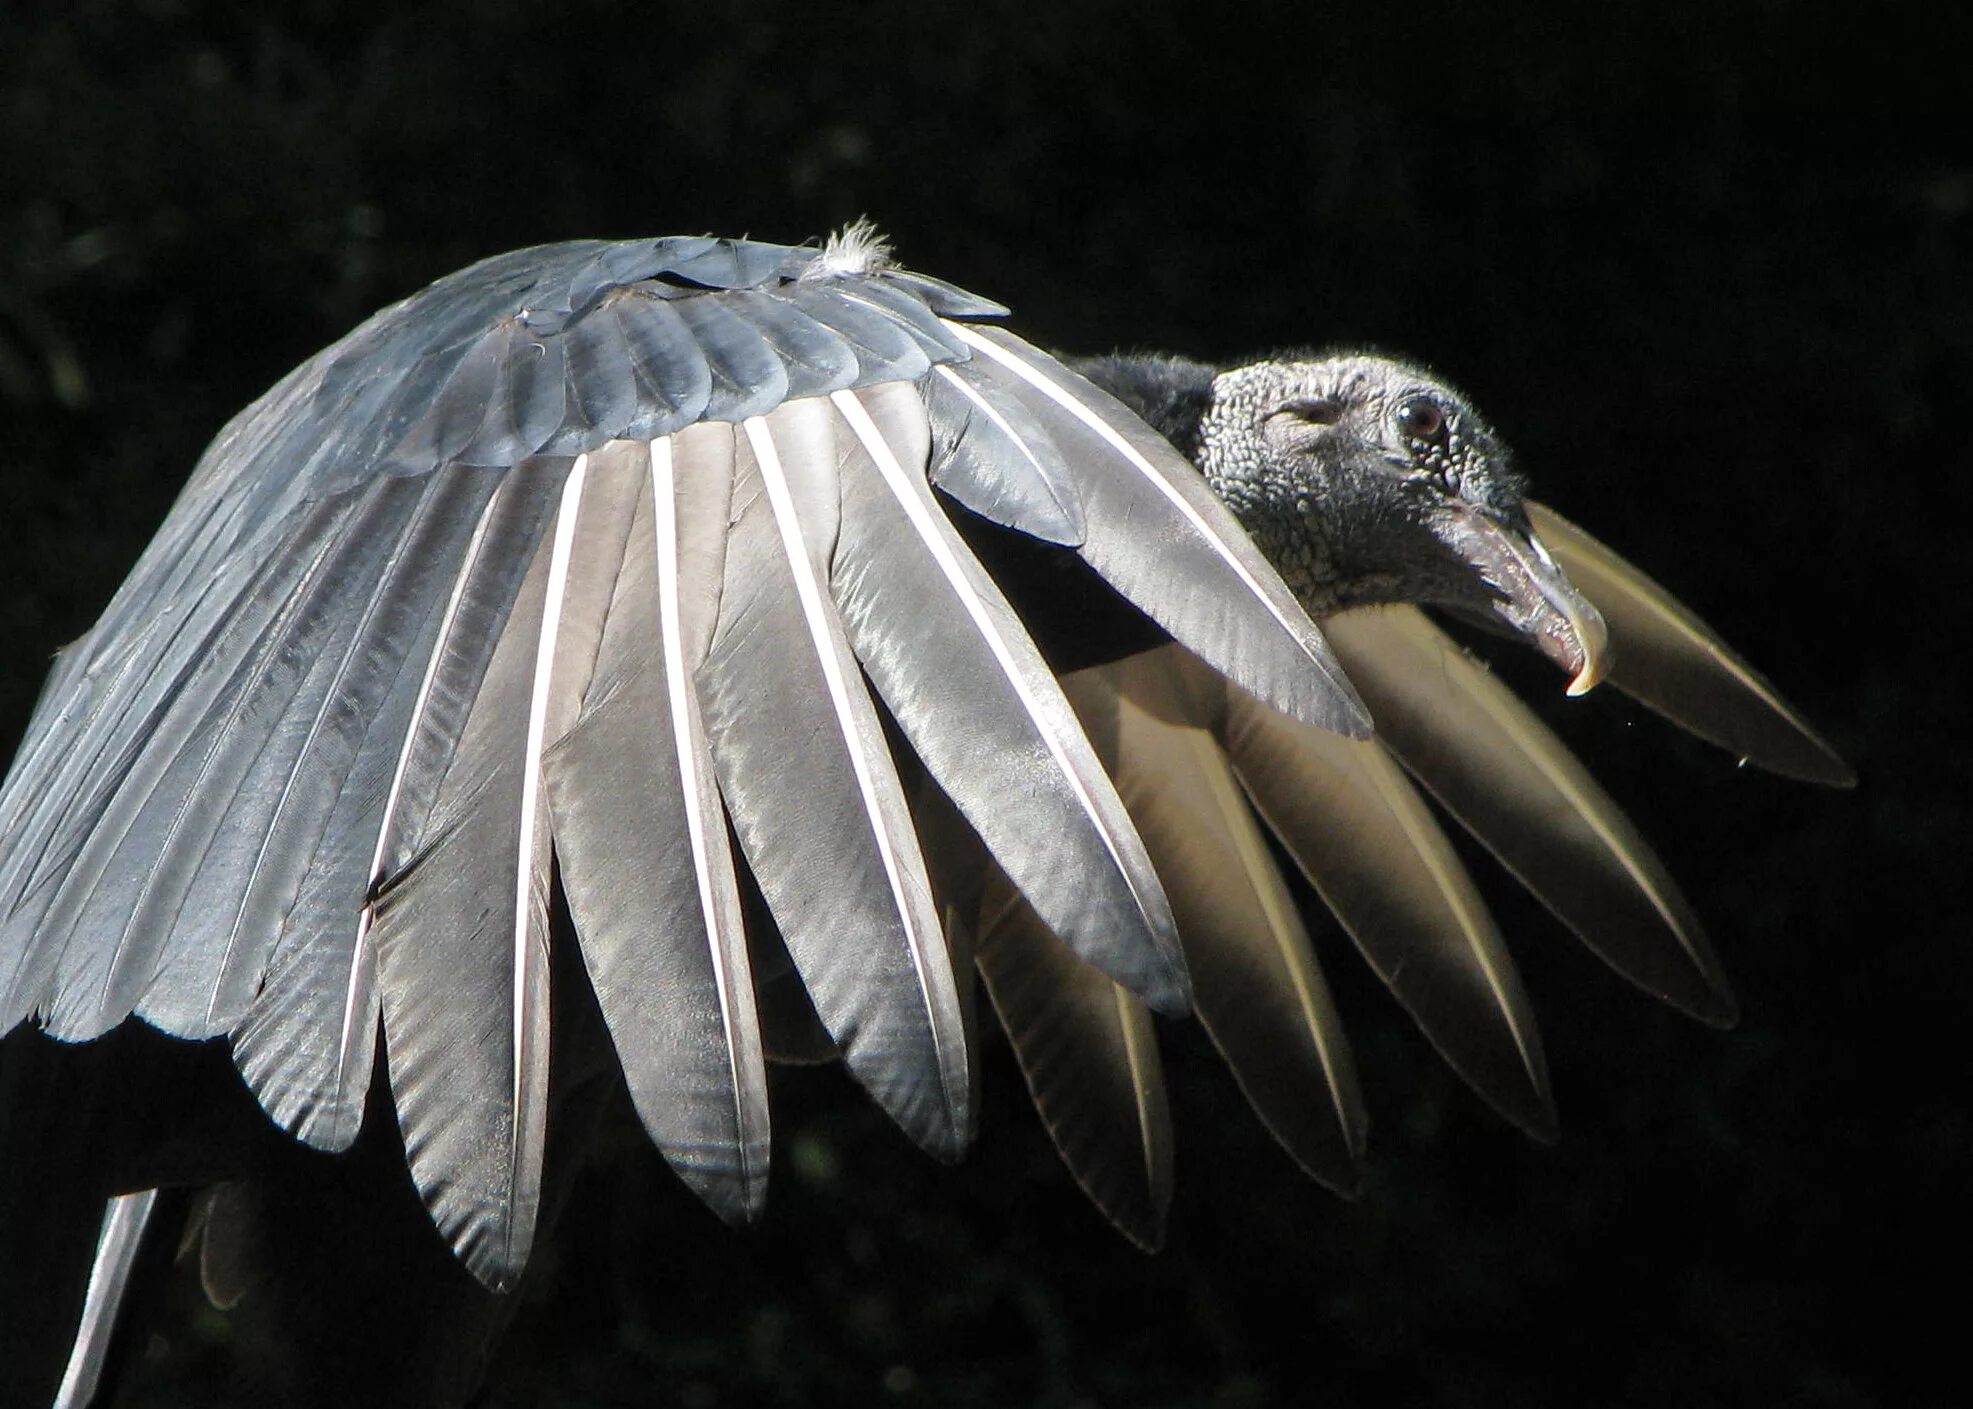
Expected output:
(622, 665)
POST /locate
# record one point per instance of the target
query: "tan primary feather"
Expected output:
(1672, 661)
(1510, 781)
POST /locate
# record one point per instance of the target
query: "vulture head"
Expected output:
(1368, 481)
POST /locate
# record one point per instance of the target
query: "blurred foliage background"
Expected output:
(1705, 264)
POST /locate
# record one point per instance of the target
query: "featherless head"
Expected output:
(1367, 481)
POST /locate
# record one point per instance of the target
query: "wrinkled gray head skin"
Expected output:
(1366, 481)
(1345, 470)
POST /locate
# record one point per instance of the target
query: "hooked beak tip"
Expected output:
(1536, 599)
(1587, 679)
(1592, 641)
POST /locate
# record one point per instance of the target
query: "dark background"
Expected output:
(1705, 264)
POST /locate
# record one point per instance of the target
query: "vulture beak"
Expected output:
(1533, 596)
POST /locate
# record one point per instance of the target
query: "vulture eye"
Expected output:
(1421, 418)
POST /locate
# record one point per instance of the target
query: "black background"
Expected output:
(1705, 264)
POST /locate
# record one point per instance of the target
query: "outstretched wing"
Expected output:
(612, 566)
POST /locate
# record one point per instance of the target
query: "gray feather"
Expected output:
(461, 929)
(808, 782)
(981, 709)
(308, 1040)
(244, 753)
(673, 381)
(146, 885)
(335, 747)
(643, 844)
(1157, 534)
(134, 787)
(991, 455)
(734, 264)
(185, 617)
(947, 300)
(933, 334)
(747, 378)
(817, 361)
(602, 388)
(884, 352)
